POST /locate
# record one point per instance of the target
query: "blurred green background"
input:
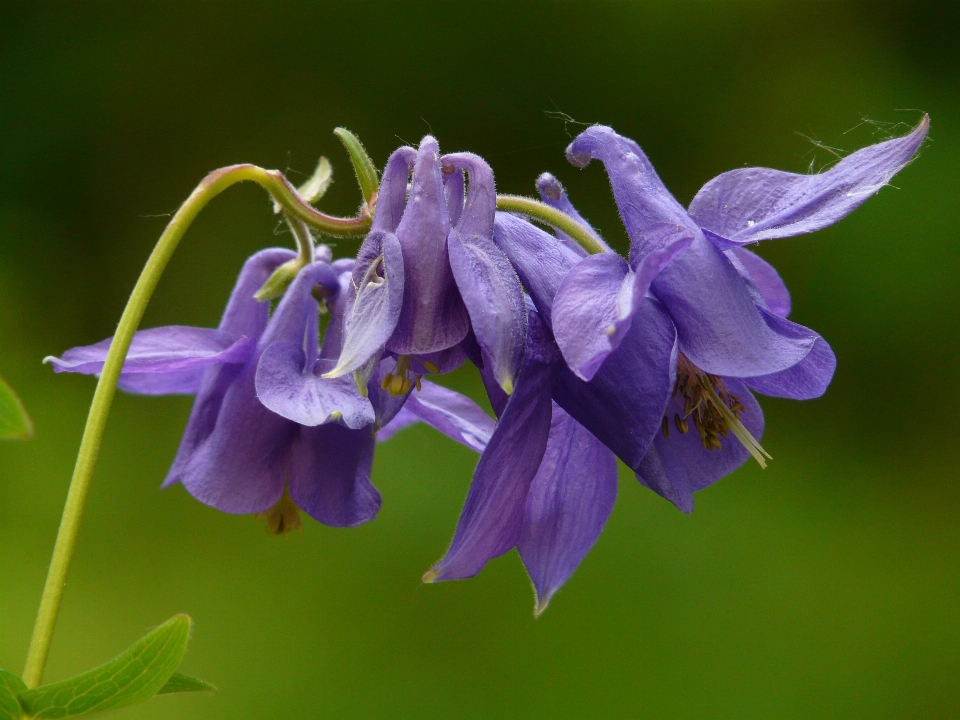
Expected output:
(826, 586)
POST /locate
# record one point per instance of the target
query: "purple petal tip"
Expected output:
(549, 186)
(541, 606)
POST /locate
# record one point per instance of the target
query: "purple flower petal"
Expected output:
(289, 388)
(432, 316)
(487, 282)
(592, 311)
(807, 379)
(453, 186)
(295, 318)
(340, 304)
(623, 404)
(243, 315)
(445, 361)
(553, 194)
(540, 259)
(170, 349)
(379, 278)
(480, 205)
(455, 415)
(720, 327)
(676, 466)
(400, 421)
(568, 504)
(752, 204)
(492, 516)
(595, 303)
(764, 277)
(645, 205)
(343, 265)
(491, 291)
(187, 382)
(244, 463)
(392, 196)
(330, 475)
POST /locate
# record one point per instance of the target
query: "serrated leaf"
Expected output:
(10, 687)
(131, 678)
(180, 683)
(14, 423)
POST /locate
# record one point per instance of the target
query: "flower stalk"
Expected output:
(553, 217)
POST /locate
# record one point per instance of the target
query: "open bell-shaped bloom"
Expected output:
(684, 462)
(239, 455)
(727, 304)
(429, 276)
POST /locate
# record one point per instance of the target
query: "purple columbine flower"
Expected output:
(727, 304)
(429, 278)
(547, 481)
(266, 433)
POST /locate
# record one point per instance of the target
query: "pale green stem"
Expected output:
(215, 183)
(551, 216)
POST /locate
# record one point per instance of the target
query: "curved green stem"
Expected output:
(211, 186)
(551, 216)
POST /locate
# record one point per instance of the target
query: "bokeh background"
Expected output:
(826, 586)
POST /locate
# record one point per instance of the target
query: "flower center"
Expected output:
(714, 410)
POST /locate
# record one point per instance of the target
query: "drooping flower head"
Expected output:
(429, 274)
(267, 434)
(727, 304)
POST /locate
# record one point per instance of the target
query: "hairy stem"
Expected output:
(211, 186)
(551, 216)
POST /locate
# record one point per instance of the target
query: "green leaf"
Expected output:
(316, 187)
(180, 683)
(14, 423)
(10, 687)
(366, 170)
(133, 677)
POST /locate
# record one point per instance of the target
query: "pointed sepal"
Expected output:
(362, 164)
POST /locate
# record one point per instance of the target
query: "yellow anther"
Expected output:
(431, 368)
(714, 410)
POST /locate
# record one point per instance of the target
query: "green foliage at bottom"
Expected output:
(146, 669)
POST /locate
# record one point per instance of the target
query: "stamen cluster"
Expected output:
(692, 389)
